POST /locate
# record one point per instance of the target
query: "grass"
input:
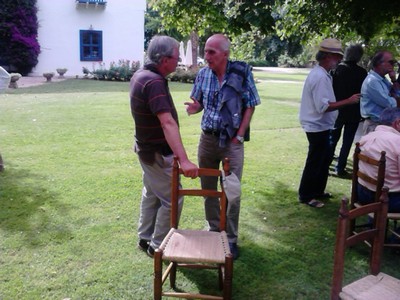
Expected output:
(70, 194)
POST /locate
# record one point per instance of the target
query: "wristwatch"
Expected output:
(240, 139)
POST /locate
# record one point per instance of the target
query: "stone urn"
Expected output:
(48, 76)
(14, 77)
(61, 71)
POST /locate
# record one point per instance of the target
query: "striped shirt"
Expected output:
(150, 96)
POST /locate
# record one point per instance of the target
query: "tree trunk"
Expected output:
(194, 38)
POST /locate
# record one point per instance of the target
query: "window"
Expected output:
(91, 42)
(101, 2)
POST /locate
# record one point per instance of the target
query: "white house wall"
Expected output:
(121, 21)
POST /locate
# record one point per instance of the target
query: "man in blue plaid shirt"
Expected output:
(226, 92)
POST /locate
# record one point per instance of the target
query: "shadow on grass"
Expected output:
(286, 251)
(28, 209)
(279, 238)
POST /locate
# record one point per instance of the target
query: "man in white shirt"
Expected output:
(317, 117)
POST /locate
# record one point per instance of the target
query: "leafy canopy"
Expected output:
(289, 18)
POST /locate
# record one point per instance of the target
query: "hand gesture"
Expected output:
(192, 107)
(354, 98)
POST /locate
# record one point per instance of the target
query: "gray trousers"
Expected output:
(210, 155)
(155, 206)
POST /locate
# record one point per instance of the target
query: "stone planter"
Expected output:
(61, 72)
(14, 77)
(48, 76)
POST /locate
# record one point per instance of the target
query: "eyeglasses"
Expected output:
(392, 62)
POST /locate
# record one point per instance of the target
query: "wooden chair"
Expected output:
(376, 285)
(199, 249)
(392, 223)
(377, 181)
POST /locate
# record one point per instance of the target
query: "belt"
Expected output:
(212, 132)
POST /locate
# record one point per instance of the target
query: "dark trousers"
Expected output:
(316, 169)
(366, 196)
(349, 132)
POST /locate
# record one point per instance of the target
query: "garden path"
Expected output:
(27, 81)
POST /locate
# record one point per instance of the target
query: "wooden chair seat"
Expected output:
(192, 246)
(381, 286)
(376, 285)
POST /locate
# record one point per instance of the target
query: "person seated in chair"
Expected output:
(386, 137)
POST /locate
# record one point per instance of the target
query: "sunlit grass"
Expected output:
(70, 193)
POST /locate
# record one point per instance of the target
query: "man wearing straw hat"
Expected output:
(318, 113)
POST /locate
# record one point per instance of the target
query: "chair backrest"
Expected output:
(375, 235)
(219, 194)
(377, 181)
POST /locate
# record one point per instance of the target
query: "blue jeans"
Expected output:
(366, 196)
(316, 170)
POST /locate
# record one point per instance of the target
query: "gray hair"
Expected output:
(353, 53)
(161, 46)
(224, 42)
(378, 58)
(389, 115)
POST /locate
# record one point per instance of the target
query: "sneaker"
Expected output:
(143, 245)
(150, 251)
(234, 250)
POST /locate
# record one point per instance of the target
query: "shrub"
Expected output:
(183, 75)
(18, 35)
(121, 71)
(260, 63)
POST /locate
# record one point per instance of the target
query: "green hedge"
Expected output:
(120, 71)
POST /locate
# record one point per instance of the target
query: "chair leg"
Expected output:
(228, 277)
(387, 231)
(221, 277)
(157, 274)
(172, 275)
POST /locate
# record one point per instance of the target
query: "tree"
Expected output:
(248, 23)
(303, 19)
(18, 35)
(191, 18)
(308, 18)
(153, 26)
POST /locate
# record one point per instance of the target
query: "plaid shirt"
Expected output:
(206, 90)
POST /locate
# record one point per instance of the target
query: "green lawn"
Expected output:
(70, 194)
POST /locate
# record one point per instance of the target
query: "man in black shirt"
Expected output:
(347, 80)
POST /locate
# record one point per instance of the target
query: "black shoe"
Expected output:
(343, 174)
(143, 245)
(325, 195)
(234, 250)
(150, 251)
